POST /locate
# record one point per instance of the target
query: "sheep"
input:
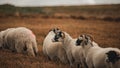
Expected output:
(98, 57)
(21, 40)
(74, 53)
(54, 49)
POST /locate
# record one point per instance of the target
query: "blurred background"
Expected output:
(99, 18)
(77, 9)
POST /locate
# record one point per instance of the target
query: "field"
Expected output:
(105, 32)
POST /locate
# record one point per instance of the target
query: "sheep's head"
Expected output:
(79, 41)
(55, 30)
(59, 36)
(112, 56)
(84, 40)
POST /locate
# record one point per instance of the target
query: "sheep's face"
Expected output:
(112, 56)
(84, 40)
(79, 41)
(55, 30)
(58, 37)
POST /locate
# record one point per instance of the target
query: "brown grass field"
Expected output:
(105, 33)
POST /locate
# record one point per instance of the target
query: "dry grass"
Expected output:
(105, 33)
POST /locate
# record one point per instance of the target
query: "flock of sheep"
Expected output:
(81, 52)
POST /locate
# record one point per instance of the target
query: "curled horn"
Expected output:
(91, 38)
(63, 35)
(54, 30)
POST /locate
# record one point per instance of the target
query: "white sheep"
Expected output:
(97, 57)
(54, 49)
(21, 40)
(74, 53)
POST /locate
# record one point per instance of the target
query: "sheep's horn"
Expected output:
(63, 35)
(91, 38)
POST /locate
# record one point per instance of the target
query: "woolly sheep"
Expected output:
(97, 57)
(53, 49)
(21, 40)
(74, 53)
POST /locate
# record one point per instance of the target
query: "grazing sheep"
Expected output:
(54, 49)
(21, 40)
(74, 53)
(97, 57)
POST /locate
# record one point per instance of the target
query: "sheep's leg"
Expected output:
(48, 58)
(35, 49)
(62, 56)
(84, 64)
(29, 49)
(11, 45)
(18, 46)
(90, 65)
(70, 60)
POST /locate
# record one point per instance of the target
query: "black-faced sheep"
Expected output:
(97, 57)
(54, 49)
(74, 53)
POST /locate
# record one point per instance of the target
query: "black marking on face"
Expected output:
(56, 38)
(78, 42)
(112, 57)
